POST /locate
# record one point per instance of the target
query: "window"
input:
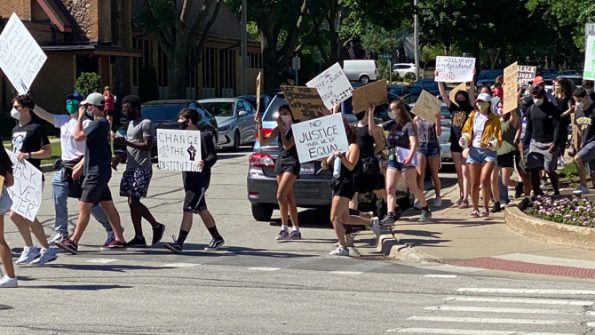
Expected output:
(255, 60)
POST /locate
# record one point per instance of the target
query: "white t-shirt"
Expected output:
(479, 123)
(71, 148)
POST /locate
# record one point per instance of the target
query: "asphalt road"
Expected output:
(255, 285)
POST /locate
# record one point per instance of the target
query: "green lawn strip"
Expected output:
(56, 152)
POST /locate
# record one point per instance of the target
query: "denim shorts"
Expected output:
(480, 156)
(5, 202)
(587, 154)
(428, 149)
(393, 164)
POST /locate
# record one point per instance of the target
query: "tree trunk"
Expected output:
(270, 65)
(178, 70)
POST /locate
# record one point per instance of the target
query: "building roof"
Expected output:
(92, 50)
(55, 11)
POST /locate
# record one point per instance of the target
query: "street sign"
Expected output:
(384, 56)
(589, 29)
(296, 63)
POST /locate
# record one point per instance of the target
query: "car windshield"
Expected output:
(219, 108)
(160, 113)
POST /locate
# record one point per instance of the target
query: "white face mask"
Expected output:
(286, 119)
(392, 115)
(15, 114)
(538, 102)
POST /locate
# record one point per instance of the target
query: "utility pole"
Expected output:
(416, 39)
(244, 50)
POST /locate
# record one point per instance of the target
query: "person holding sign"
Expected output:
(196, 185)
(428, 153)
(6, 180)
(585, 121)
(96, 169)
(31, 144)
(459, 110)
(402, 159)
(287, 169)
(482, 134)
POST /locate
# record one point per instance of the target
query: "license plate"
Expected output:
(307, 168)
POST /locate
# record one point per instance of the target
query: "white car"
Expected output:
(405, 69)
(362, 70)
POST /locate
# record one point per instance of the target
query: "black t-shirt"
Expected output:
(543, 124)
(398, 136)
(97, 151)
(459, 116)
(585, 120)
(29, 138)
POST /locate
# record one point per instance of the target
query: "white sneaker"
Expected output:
(47, 255)
(375, 226)
(416, 205)
(581, 190)
(340, 251)
(7, 282)
(28, 255)
(57, 238)
(437, 202)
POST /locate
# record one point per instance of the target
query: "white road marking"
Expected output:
(351, 273)
(264, 268)
(100, 260)
(590, 324)
(564, 302)
(181, 265)
(499, 310)
(466, 331)
(440, 276)
(524, 291)
(487, 320)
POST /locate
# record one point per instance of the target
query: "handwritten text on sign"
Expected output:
(305, 102)
(332, 86)
(26, 191)
(510, 88)
(427, 106)
(454, 69)
(21, 58)
(178, 150)
(317, 139)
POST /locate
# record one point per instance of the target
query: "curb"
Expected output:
(550, 232)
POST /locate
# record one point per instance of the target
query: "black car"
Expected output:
(164, 115)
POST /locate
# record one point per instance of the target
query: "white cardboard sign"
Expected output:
(26, 191)
(179, 150)
(21, 58)
(454, 69)
(319, 138)
(332, 86)
(525, 74)
(589, 73)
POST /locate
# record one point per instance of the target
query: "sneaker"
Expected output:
(110, 238)
(7, 282)
(68, 246)
(519, 189)
(389, 219)
(136, 242)
(416, 205)
(57, 238)
(283, 235)
(47, 255)
(474, 213)
(115, 245)
(28, 255)
(215, 244)
(425, 216)
(158, 233)
(526, 203)
(375, 227)
(340, 251)
(496, 207)
(174, 247)
(581, 190)
(484, 213)
(295, 235)
(437, 202)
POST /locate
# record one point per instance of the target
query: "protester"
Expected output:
(31, 144)
(588, 86)
(72, 152)
(498, 90)
(343, 188)
(459, 109)
(195, 187)
(585, 121)
(287, 170)
(402, 143)
(483, 135)
(6, 180)
(137, 176)
(428, 153)
(96, 170)
(563, 98)
(510, 131)
(109, 105)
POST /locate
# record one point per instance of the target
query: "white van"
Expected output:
(362, 70)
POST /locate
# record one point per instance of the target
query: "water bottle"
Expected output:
(337, 168)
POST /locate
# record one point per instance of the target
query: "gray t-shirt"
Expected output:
(137, 131)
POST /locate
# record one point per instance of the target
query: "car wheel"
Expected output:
(364, 79)
(262, 212)
(236, 141)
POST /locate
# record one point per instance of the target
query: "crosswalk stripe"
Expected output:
(440, 276)
(264, 268)
(100, 260)
(564, 302)
(466, 331)
(347, 272)
(590, 324)
(524, 291)
(180, 265)
(499, 310)
(487, 320)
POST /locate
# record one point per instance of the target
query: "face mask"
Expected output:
(578, 105)
(483, 105)
(286, 119)
(15, 114)
(72, 107)
(360, 116)
(392, 115)
(538, 102)
(183, 125)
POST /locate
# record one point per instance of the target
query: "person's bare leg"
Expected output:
(5, 253)
(23, 227)
(83, 220)
(339, 207)
(495, 176)
(37, 230)
(413, 187)
(475, 172)
(434, 163)
(485, 177)
(207, 218)
(422, 163)
(114, 219)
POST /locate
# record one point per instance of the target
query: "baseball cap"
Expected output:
(74, 96)
(484, 97)
(537, 81)
(95, 99)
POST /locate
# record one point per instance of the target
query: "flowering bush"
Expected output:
(577, 212)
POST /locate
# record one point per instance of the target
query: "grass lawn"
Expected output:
(56, 152)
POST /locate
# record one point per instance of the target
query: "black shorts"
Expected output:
(369, 183)
(287, 164)
(343, 187)
(506, 160)
(455, 147)
(95, 189)
(195, 188)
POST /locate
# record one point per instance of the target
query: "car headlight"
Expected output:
(224, 128)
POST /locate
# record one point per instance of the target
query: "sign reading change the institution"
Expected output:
(26, 190)
(317, 139)
(179, 150)
(21, 58)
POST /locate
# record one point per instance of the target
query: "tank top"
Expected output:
(365, 142)
(508, 132)
(426, 131)
(291, 152)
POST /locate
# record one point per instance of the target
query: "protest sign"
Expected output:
(589, 72)
(305, 102)
(452, 95)
(374, 93)
(317, 139)
(427, 106)
(179, 150)
(26, 190)
(1, 183)
(21, 58)
(258, 90)
(525, 74)
(510, 87)
(454, 69)
(332, 86)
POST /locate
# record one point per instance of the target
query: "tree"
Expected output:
(182, 28)
(87, 83)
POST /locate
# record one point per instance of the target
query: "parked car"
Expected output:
(487, 77)
(444, 139)
(406, 70)
(362, 70)
(424, 84)
(164, 115)
(265, 100)
(235, 118)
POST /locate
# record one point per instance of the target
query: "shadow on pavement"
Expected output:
(193, 250)
(87, 287)
(311, 218)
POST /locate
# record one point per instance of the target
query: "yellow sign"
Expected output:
(374, 93)
(511, 87)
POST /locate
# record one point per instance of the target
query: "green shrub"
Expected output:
(88, 82)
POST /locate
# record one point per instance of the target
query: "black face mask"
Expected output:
(183, 126)
(360, 116)
(463, 104)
